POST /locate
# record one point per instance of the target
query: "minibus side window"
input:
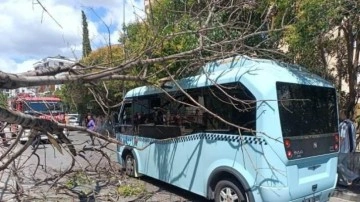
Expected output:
(160, 116)
(232, 102)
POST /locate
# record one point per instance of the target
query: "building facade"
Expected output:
(13, 92)
(51, 62)
(147, 5)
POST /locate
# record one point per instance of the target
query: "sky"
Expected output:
(28, 34)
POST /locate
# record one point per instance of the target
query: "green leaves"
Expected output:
(309, 36)
(3, 100)
(86, 41)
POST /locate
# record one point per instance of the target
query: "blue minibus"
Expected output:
(243, 129)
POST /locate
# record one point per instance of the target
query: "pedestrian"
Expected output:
(347, 132)
(136, 120)
(36, 141)
(86, 120)
(90, 125)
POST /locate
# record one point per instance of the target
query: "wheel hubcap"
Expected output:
(228, 195)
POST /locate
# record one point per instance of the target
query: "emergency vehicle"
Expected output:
(50, 108)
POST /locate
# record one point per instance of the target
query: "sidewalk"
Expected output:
(346, 194)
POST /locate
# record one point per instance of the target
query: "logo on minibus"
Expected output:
(298, 153)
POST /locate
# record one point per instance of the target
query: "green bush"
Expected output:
(131, 189)
(79, 178)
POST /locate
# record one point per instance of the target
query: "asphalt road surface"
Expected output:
(51, 159)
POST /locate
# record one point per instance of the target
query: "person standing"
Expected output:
(36, 141)
(90, 125)
(136, 119)
(86, 120)
(347, 133)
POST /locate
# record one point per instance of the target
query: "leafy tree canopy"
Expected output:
(109, 93)
(176, 26)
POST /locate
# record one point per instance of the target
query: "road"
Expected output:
(52, 160)
(343, 194)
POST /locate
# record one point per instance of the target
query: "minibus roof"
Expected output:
(258, 75)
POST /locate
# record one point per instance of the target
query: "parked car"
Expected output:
(73, 119)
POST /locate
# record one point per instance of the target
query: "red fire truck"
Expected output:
(43, 107)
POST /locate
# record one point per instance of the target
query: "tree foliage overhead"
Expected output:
(325, 33)
(107, 94)
(172, 28)
(309, 41)
(229, 27)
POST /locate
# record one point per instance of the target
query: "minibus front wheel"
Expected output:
(229, 190)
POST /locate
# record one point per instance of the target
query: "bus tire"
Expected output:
(130, 165)
(229, 190)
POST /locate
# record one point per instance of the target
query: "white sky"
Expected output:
(28, 34)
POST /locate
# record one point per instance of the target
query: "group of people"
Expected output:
(163, 117)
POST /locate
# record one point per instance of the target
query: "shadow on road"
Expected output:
(162, 186)
(350, 193)
(353, 189)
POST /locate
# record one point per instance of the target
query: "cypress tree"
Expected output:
(86, 41)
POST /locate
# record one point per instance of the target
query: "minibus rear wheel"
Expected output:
(130, 165)
(229, 190)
